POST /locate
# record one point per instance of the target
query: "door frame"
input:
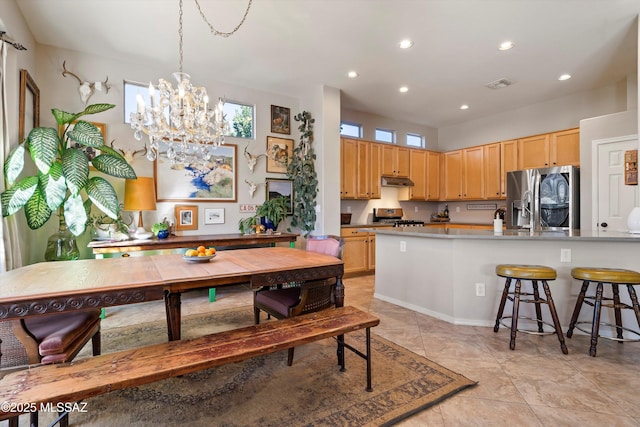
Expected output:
(595, 176)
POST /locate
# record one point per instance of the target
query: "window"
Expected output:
(385, 135)
(240, 119)
(415, 140)
(351, 129)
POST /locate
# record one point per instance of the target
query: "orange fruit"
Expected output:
(201, 249)
(191, 252)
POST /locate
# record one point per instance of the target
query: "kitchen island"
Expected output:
(443, 273)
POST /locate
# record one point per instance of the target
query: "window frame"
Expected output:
(422, 142)
(253, 119)
(356, 125)
(391, 132)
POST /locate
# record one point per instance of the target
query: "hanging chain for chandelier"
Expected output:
(179, 119)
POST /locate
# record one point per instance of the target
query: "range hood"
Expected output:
(396, 181)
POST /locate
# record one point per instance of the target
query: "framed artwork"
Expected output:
(279, 154)
(186, 217)
(214, 216)
(29, 105)
(192, 181)
(280, 120)
(278, 188)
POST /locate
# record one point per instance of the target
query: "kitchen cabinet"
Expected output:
(533, 152)
(492, 170)
(359, 169)
(433, 175)
(565, 148)
(355, 253)
(551, 149)
(508, 163)
(395, 160)
(348, 168)
(375, 170)
(363, 178)
(452, 185)
(473, 173)
(417, 174)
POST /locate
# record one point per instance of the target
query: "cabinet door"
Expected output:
(433, 175)
(375, 154)
(388, 159)
(372, 252)
(472, 173)
(453, 175)
(362, 173)
(348, 169)
(565, 148)
(402, 161)
(418, 174)
(508, 163)
(492, 171)
(355, 253)
(533, 152)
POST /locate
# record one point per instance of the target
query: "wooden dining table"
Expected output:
(54, 287)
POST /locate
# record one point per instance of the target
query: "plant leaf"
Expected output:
(96, 108)
(75, 215)
(113, 165)
(87, 134)
(36, 210)
(54, 185)
(43, 146)
(62, 117)
(17, 196)
(14, 164)
(108, 150)
(75, 168)
(103, 196)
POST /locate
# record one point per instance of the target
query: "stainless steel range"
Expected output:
(394, 216)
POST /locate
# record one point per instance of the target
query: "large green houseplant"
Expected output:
(269, 214)
(62, 176)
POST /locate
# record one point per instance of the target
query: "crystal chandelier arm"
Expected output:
(221, 33)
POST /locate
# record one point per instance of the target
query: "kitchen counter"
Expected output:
(450, 274)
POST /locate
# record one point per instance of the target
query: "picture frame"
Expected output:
(280, 187)
(186, 217)
(279, 154)
(214, 216)
(217, 181)
(280, 120)
(28, 105)
(90, 152)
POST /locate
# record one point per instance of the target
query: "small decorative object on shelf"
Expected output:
(161, 230)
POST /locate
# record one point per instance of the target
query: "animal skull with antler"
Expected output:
(252, 159)
(252, 186)
(86, 88)
(129, 154)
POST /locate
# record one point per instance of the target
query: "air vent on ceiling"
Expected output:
(499, 84)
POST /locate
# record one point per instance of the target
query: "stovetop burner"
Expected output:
(394, 216)
(408, 223)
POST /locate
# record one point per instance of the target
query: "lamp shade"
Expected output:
(139, 194)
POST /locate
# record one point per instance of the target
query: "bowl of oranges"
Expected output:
(199, 254)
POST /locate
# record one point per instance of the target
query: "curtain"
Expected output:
(10, 254)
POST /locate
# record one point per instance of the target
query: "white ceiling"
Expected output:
(287, 45)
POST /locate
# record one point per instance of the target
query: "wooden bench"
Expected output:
(82, 379)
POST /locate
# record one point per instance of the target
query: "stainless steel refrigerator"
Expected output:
(543, 199)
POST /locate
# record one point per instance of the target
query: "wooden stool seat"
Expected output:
(534, 274)
(605, 276)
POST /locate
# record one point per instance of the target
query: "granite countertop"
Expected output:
(577, 235)
(380, 224)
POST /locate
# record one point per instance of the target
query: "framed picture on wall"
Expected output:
(186, 217)
(279, 154)
(280, 120)
(214, 216)
(214, 181)
(281, 188)
(28, 105)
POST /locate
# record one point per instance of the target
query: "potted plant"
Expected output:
(161, 230)
(104, 227)
(62, 179)
(272, 212)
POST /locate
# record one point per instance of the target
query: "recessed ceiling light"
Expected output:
(404, 89)
(406, 44)
(564, 77)
(506, 45)
(464, 107)
(352, 74)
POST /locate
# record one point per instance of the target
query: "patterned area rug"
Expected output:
(265, 391)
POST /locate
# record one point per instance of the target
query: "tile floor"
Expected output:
(534, 385)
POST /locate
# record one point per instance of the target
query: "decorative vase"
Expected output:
(268, 224)
(163, 234)
(62, 246)
(633, 221)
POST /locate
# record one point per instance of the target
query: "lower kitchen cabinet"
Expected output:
(359, 253)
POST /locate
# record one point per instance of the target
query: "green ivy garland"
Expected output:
(302, 172)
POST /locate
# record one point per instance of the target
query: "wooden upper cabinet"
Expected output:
(433, 175)
(533, 152)
(473, 173)
(363, 178)
(348, 168)
(452, 185)
(492, 170)
(418, 174)
(565, 148)
(375, 170)
(508, 163)
(395, 160)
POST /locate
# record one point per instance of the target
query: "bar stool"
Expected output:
(605, 276)
(535, 274)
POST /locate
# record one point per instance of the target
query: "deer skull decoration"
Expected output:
(86, 88)
(252, 159)
(252, 186)
(129, 154)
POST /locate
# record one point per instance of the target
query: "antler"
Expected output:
(86, 88)
(65, 72)
(130, 154)
(251, 158)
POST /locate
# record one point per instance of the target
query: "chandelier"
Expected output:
(179, 119)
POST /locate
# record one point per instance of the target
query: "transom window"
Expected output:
(351, 129)
(415, 140)
(240, 119)
(385, 135)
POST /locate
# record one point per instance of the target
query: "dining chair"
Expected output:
(289, 300)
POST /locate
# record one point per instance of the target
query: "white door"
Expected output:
(614, 200)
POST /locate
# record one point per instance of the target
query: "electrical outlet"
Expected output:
(565, 255)
(457, 208)
(403, 246)
(480, 291)
(348, 209)
(415, 209)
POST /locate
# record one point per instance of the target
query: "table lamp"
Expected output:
(140, 195)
